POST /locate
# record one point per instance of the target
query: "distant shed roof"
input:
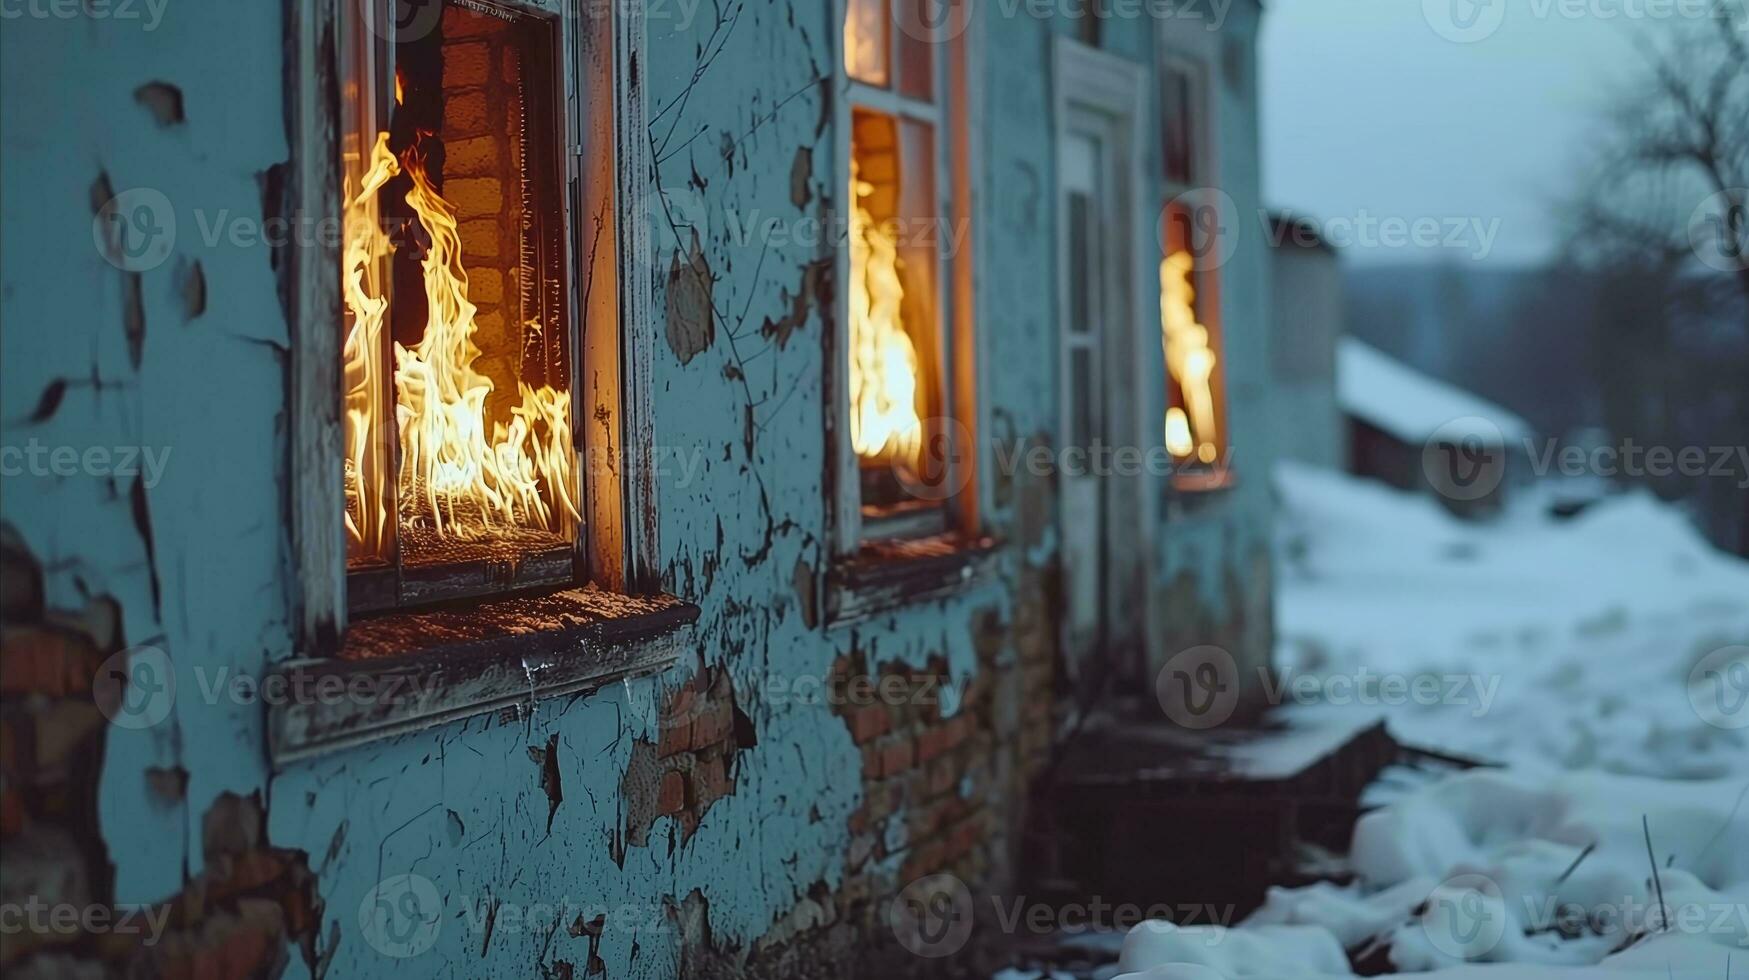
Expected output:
(1399, 400)
(1288, 230)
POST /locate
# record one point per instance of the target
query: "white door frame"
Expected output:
(1093, 83)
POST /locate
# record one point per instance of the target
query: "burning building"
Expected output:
(562, 562)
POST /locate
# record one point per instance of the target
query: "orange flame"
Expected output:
(455, 478)
(365, 372)
(883, 361)
(1191, 361)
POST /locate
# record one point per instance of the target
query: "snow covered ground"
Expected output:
(1603, 662)
(1613, 641)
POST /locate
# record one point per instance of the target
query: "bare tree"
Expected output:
(1663, 218)
(1678, 137)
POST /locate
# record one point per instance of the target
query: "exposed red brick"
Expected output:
(924, 820)
(64, 731)
(680, 706)
(924, 859)
(935, 741)
(713, 724)
(51, 662)
(872, 757)
(944, 775)
(674, 739)
(870, 722)
(897, 756)
(672, 796)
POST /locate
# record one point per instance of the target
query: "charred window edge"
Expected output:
(411, 671)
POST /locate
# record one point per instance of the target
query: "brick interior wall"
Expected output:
(482, 133)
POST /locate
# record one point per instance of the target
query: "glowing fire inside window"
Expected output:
(456, 397)
(1191, 427)
(457, 479)
(866, 56)
(884, 425)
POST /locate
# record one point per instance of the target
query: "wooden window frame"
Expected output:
(609, 162)
(947, 113)
(870, 573)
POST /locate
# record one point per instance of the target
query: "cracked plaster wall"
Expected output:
(198, 563)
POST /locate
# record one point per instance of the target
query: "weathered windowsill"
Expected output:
(886, 575)
(1204, 481)
(1193, 493)
(409, 671)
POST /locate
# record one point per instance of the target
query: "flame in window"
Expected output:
(455, 479)
(865, 41)
(1190, 360)
(364, 373)
(883, 362)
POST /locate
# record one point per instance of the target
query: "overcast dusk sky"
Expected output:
(1369, 110)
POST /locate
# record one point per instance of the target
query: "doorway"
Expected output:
(1105, 536)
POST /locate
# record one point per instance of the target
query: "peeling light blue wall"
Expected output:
(732, 103)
